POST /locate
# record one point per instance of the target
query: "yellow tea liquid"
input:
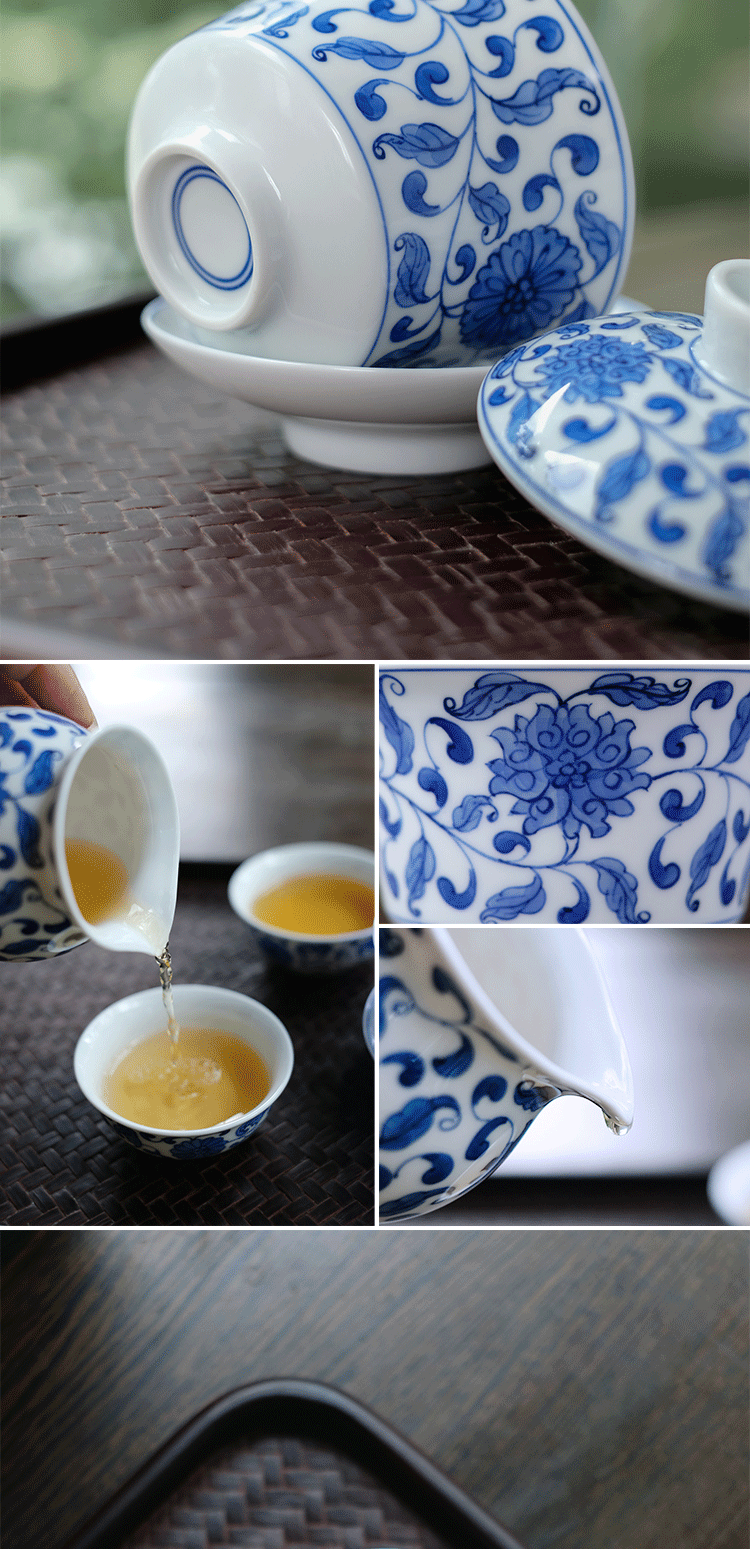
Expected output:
(99, 880)
(206, 1078)
(319, 905)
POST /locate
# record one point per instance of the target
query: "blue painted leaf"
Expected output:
(385, 8)
(12, 895)
(533, 102)
(385, 1176)
(466, 259)
(451, 1066)
(324, 22)
(513, 901)
(480, 1143)
(392, 883)
(533, 193)
(492, 208)
(500, 395)
(506, 841)
(392, 826)
(704, 859)
(476, 11)
(40, 775)
(502, 49)
(492, 1087)
(508, 153)
(391, 944)
(420, 868)
(740, 828)
(431, 780)
(281, 28)
(491, 693)
(399, 734)
(673, 476)
(379, 56)
(412, 270)
(664, 532)
(672, 807)
(663, 876)
(403, 329)
(727, 885)
(530, 1097)
(580, 430)
(414, 1120)
(410, 352)
(739, 732)
(454, 899)
(441, 1166)
(620, 477)
(468, 815)
(676, 409)
(723, 431)
(584, 152)
(602, 237)
(428, 75)
(446, 985)
(369, 102)
(716, 694)
(663, 338)
(737, 474)
(27, 828)
(549, 33)
(401, 1004)
(412, 1067)
(686, 377)
(460, 747)
(723, 536)
(620, 888)
(646, 693)
(413, 190)
(575, 913)
(429, 144)
(7, 857)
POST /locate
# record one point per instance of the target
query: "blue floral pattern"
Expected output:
(33, 919)
(655, 470)
(425, 87)
(190, 1148)
(491, 813)
(314, 957)
(450, 1093)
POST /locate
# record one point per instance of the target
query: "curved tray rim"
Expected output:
(317, 1412)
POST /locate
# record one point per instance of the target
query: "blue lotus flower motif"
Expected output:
(527, 283)
(201, 1145)
(594, 368)
(564, 766)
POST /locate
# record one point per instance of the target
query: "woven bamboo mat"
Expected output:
(144, 515)
(275, 1494)
(311, 1161)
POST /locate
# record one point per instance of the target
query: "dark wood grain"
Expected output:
(587, 1388)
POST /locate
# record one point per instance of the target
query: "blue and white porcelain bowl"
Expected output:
(293, 949)
(478, 1033)
(556, 794)
(394, 182)
(368, 1022)
(633, 433)
(127, 1022)
(111, 787)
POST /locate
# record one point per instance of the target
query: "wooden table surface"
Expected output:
(587, 1388)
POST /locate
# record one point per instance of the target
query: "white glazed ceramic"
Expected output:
(595, 794)
(633, 433)
(389, 183)
(120, 1026)
(368, 1022)
(478, 1032)
(291, 949)
(59, 782)
(729, 1186)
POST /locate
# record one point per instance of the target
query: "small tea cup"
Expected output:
(294, 948)
(386, 184)
(58, 782)
(129, 1021)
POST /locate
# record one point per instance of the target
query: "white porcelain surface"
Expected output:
(368, 1022)
(383, 184)
(564, 795)
(729, 1186)
(111, 787)
(127, 1022)
(462, 1073)
(293, 949)
(618, 431)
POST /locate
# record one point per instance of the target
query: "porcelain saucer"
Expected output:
(622, 433)
(361, 419)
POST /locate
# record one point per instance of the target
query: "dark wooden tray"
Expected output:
(143, 514)
(434, 1512)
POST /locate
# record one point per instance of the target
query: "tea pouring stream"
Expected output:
(479, 1031)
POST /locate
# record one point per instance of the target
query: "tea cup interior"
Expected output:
(124, 1024)
(263, 872)
(116, 793)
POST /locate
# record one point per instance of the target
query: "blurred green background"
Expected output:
(69, 73)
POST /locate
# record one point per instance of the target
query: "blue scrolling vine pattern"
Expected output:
(30, 920)
(568, 768)
(502, 234)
